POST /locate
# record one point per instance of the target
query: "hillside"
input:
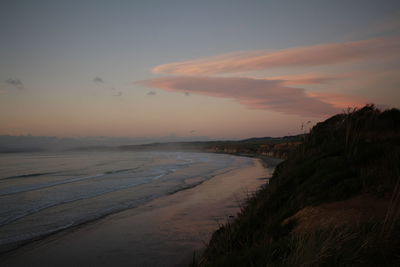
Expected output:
(335, 201)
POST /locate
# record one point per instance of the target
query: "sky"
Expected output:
(217, 69)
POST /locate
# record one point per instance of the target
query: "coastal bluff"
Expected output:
(334, 201)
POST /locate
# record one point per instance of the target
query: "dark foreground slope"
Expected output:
(334, 202)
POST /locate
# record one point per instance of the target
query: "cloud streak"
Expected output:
(254, 93)
(15, 83)
(151, 93)
(308, 56)
(98, 80)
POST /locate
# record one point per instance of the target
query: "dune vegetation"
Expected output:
(335, 201)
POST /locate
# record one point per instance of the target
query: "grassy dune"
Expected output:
(334, 202)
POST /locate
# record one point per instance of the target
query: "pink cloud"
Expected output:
(254, 93)
(306, 78)
(308, 56)
(341, 101)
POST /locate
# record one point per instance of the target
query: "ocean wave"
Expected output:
(16, 190)
(30, 175)
(7, 218)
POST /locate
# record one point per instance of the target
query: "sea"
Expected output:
(45, 192)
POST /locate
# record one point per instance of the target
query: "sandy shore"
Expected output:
(164, 232)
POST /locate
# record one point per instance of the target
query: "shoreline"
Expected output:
(16, 242)
(177, 215)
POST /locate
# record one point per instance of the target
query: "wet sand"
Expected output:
(163, 232)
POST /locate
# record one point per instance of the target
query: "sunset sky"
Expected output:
(221, 69)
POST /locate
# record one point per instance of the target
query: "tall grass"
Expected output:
(371, 243)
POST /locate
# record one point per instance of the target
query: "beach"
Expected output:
(163, 232)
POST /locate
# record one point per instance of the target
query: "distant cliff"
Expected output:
(266, 146)
(279, 150)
